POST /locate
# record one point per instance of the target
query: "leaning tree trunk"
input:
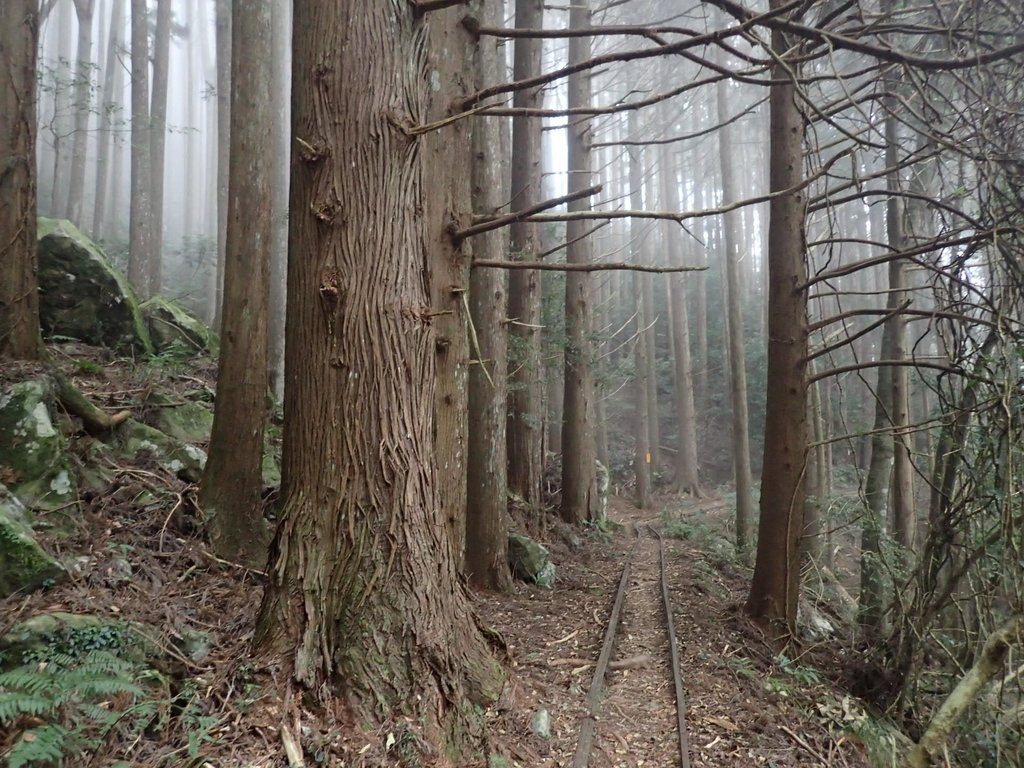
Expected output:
(233, 479)
(19, 295)
(775, 584)
(140, 223)
(524, 290)
(486, 558)
(579, 473)
(364, 600)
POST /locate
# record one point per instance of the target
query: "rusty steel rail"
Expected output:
(673, 646)
(585, 743)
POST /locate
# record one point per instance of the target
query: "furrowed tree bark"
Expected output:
(579, 473)
(232, 483)
(775, 585)
(732, 237)
(525, 464)
(158, 137)
(486, 558)
(363, 600)
(140, 224)
(19, 293)
(83, 109)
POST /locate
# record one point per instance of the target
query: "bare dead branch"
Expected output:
(616, 266)
(486, 224)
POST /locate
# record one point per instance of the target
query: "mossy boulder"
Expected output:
(134, 440)
(185, 420)
(33, 460)
(72, 634)
(82, 295)
(170, 323)
(24, 565)
(530, 561)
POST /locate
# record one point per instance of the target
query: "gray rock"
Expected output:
(541, 723)
(24, 565)
(82, 295)
(134, 439)
(530, 561)
(33, 461)
(184, 420)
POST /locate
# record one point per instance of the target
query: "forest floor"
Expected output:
(746, 704)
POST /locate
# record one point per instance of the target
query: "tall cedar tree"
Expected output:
(140, 220)
(232, 482)
(775, 584)
(524, 289)
(19, 295)
(364, 598)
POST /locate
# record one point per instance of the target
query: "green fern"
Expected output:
(81, 690)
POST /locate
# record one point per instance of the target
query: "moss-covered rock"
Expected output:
(530, 561)
(169, 323)
(33, 460)
(182, 419)
(82, 295)
(133, 440)
(24, 565)
(71, 634)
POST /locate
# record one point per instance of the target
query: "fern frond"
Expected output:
(38, 747)
(15, 704)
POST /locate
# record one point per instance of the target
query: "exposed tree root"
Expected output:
(95, 420)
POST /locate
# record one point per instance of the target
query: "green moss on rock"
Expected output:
(24, 565)
(184, 420)
(169, 323)
(82, 295)
(134, 439)
(33, 460)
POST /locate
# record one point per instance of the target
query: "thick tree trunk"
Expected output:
(364, 599)
(775, 585)
(83, 110)
(140, 223)
(111, 102)
(732, 237)
(525, 463)
(19, 294)
(233, 480)
(579, 472)
(486, 558)
(158, 138)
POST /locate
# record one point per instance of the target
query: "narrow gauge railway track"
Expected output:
(595, 696)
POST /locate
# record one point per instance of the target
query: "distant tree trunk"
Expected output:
(19, 294)
(83, 109)
(642, 368)
(687, 479)
(732, 237)
(281, 96)
(486, 560)
(140, 223)
(61, 124)
(110, 103)
(364, 598)
(222, 26)
(233, 480)
(579, 473)
(775, 585)
(158, 138)
(524, 291)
